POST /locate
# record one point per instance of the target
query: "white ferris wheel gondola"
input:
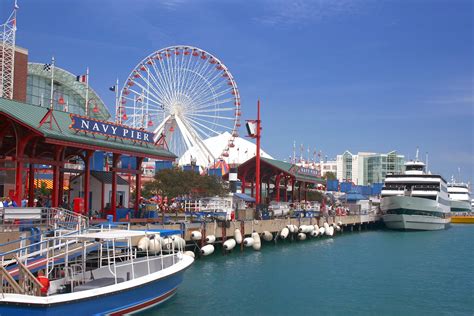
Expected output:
(185, 94)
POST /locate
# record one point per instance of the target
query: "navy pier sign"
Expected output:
(89, 125)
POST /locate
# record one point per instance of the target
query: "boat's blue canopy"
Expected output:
(165, 232)
(245, 197)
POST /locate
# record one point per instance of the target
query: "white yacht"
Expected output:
(460, 197)
(415, 200)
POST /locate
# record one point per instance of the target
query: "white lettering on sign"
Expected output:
(114, 129)
(105, 128)
(85, 124)
(139, 135)
(95, 127)
(145, 137)
(125, 132)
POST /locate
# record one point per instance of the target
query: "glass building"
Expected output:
(368, 168)
(68, 94)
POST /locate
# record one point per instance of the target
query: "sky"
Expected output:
(334, 75)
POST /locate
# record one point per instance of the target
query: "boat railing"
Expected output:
(21, 218)
(27, 283)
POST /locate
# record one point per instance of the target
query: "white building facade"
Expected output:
(366, 168)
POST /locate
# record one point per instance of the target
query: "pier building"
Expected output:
(280, 180)
(33, 135)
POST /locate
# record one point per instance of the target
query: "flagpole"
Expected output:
(51, 103)
(117, 112)
(87, 91)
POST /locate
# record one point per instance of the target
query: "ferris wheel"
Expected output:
(186, 95)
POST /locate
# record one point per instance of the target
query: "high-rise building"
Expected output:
(367, 168)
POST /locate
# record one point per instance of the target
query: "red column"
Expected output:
(299, 191)
(257, 158)
(277, 187)
(113, 200)
(31, 185)
(61, 186)
(102, 198)
(56, 171)
(292, 190)
(138, 183)
(87, 174)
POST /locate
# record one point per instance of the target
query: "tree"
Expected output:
(176, 182)
(329, 176)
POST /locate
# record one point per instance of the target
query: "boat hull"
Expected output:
(128, 301)
(414, 222)
(413, 213)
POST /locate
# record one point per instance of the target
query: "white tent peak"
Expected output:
(241, 152)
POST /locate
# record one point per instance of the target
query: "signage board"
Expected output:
(88, 125)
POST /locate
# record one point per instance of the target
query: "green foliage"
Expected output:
(176, 182)
(330, 176)
(315, 196)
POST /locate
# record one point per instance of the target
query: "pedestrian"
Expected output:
(9, 203)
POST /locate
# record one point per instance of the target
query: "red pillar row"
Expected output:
(56, 175)
(277, 187)
(87, 173)
(113, 200)
(138, 183)
(31, 185)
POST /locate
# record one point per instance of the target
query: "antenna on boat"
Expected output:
(426, 156)
(459, 174)
(417, 151)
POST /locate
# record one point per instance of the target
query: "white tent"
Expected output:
(241, 152)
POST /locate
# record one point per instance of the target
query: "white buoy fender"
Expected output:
(207, 250)
(257, 243)
(291, 228)
(179, 242)
(196, 235)
(284, 233)
(238, 236)
(326, 226)
(143, 243)
(229, 244)
(267, 236)
(248, 242)
(321, 230)
(339, 223)
(302, 229)
(314, 233)
(338, 228)
(316, 227)
(301, 236)
(167, 243)
(210, 239)
(189, 253)
(155, 244)
(330, 231)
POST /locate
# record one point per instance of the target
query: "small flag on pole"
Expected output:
(16, 5)
(82, 78)
(47, 67)
(112, 88)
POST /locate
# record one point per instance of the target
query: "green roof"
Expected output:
(31, 115)
(293, 170)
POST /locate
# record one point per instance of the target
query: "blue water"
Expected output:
(369, 273)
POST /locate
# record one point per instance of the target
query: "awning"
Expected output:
(245, 197)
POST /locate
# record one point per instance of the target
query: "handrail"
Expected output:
(28, 283)
(10, 282)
